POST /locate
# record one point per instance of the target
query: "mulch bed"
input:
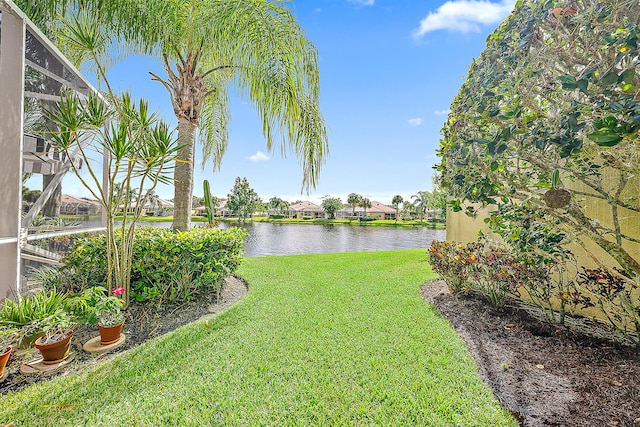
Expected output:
(545, 375)
(142, 323)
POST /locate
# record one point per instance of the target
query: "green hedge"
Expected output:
(165, 266)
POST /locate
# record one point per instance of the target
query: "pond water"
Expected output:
(290, 239)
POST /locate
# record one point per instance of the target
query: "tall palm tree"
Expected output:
(208, 47)
(421, 202)
(364, 203)
(353, 200)
(396, 202)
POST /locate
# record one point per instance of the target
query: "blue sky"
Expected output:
(389, 71)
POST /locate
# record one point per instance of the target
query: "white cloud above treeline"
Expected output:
(415, 122)
(441, 112)
(258, 157)
(465, 16)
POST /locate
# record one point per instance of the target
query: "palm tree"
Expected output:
(421, 202)
(277, 205)
(208, 47)
(365, 204)
(396, 202)
(353, 200)
(153, 200)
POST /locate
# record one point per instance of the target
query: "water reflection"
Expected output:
(289, 239)
(292, 239)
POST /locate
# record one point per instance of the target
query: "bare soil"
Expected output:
(142, 322)
(545, 375)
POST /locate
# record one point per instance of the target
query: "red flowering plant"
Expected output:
(96, 306)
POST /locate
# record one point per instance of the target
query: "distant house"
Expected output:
(306, 209)
(70, 205)
(377, 209)
(160, 207)
(221, 210)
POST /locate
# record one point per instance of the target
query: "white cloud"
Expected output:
(415, 122)
(441, 112)
(363, 2)
(258, 157)
(465, 16)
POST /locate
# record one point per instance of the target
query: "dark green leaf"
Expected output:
(567, 79)
(605, 138)
(627, 75)
(555, 179)
(583, 84)
(608, 122)
(608, 79)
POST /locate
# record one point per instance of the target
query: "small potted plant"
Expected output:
(54, 344)
(7, 337)
(97, 307)
(110, 317)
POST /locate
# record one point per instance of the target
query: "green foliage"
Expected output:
(279, 206)
(242, 200)
(349, 332)
(615, 295)
(96, 306)
(276, 216)
(44, 312)
(165, 266)
(49, 277)
(210, 203)
(8, 337)
(331, 205)
(31, 308)
(353, 200)
(497, 274)
(552, 104)
(141, 150)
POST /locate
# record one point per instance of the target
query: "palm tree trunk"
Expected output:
(183, 175)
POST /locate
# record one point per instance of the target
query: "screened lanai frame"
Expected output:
(32, 74)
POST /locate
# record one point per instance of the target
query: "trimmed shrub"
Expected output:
(165, 265)
(276, 216)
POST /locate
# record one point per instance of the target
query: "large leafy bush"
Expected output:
(165, 265)
(546, 128)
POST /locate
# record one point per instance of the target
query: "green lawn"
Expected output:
(320, 340)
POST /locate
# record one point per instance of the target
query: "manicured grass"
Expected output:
(324, 340)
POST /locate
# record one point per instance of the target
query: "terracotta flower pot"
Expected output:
(54, 352)
(4, 358)
(110, 334)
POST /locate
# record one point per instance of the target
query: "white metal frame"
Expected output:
(14, 25)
